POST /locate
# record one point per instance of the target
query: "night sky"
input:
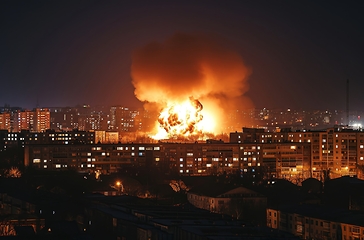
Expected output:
(64, 53)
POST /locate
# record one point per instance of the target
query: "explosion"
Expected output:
(192, 81)
(181, 118)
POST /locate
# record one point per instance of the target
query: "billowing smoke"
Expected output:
(193, 66)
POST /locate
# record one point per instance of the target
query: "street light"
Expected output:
(119, 186)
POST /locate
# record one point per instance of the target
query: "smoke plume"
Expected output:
(191, 65)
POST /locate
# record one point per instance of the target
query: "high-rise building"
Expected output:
(122, 119)
(41, 120)
(23, 120)
(5, 120)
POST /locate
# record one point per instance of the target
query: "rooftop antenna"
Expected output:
(347, 102)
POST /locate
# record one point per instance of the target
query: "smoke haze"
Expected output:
(191, 65)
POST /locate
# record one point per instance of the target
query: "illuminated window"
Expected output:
(36, 160)
(181, 159)
(157, 159)
(141, 148)
(119, 148)
(181, 165)
(58, 165)
(157, 148)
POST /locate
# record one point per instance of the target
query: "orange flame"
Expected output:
(166, 75)
(181, 119)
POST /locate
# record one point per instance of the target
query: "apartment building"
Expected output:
(285, 159)
(317, 222)
(334, 151)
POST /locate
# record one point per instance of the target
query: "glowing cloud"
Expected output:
(194, 80)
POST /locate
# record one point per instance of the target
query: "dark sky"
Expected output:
(65, 53)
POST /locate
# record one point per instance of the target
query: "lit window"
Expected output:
(141, 148)
(157, 148)
(36, 160)
(58, 165)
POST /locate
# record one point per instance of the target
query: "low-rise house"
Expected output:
(238, 202)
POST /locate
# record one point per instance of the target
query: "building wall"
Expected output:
(314, 228)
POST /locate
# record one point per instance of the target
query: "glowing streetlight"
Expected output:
(119, 186)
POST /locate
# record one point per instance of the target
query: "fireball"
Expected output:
(193, 80)
(184, 119)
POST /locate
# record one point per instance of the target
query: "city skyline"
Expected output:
(69, 53)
